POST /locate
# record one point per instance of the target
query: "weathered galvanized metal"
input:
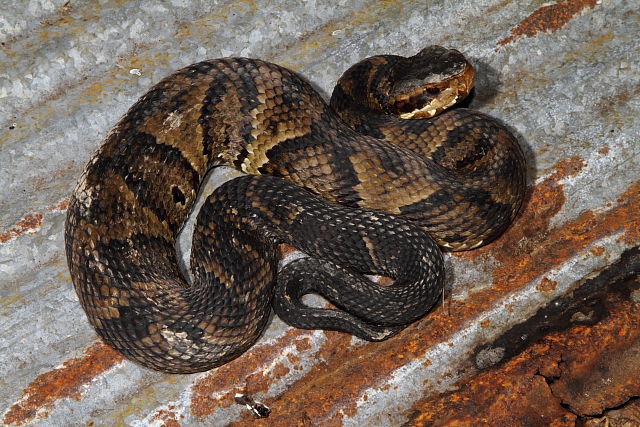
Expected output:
(526, 319)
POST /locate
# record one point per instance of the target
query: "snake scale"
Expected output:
(370, 184)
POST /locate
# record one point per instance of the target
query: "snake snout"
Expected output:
(430, 82)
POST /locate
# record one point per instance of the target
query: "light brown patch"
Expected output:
(180, 128)
(383, 189)
(227, 120)
(213, 266)
(114, 188)
(264, 138)
(371, 247)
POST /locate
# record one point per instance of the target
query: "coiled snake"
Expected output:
(368, 185)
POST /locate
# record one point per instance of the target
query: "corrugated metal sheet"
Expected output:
(538, 327)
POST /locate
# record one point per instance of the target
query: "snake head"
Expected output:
(430, 82)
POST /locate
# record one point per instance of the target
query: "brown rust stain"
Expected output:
(548, 19)
(597, 250)
(29, 223)
(626, 416)
(522, 248)
(60, 383)
(528, 250)
(602, 369)
(337, 347)
(564, 368)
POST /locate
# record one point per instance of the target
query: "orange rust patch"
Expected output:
(293, 359)
(61, 383)
(568, 168)
(303, 344)
(529, 249)
(604, 150)
(632, 197)
(337, 348)
(597, 250)
(548, 19)
(168, 418)
(546, 285)
(61, 206)
(30, 223)
(561, 369)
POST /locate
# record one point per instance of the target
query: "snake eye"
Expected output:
(433, 90)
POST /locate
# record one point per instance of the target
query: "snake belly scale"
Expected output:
(358, 190)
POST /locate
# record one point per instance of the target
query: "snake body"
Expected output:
(358, 190)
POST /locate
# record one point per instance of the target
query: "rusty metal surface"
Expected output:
(582, 356)
(537, 328)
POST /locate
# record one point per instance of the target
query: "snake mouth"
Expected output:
(439, 79)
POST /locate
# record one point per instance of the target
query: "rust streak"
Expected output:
(61, 383)
(323, 395)
(29, 223)
(548, 19)
(60, 206)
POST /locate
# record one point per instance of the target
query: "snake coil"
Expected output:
(368, 185)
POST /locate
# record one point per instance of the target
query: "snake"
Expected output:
(381, 180)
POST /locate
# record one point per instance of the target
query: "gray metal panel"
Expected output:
(564, 76)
